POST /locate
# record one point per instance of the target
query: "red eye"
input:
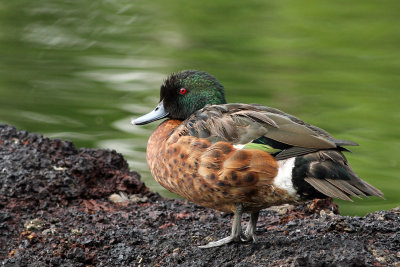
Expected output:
(182, 91)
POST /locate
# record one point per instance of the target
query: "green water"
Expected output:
(80, 70)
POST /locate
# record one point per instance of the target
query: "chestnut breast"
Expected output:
(214, 175)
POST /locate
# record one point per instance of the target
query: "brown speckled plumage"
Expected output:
(214, 175)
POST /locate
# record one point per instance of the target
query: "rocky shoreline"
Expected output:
(63, 206)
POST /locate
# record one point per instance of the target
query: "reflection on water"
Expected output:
(82, 70)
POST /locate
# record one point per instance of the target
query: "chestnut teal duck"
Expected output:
(242, 158)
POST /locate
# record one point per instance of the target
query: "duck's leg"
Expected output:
(249, 234)
(236, 230)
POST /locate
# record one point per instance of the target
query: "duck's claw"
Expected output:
(248, 237)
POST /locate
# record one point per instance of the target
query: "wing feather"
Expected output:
(243, 123)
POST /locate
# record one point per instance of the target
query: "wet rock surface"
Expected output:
(63, 206)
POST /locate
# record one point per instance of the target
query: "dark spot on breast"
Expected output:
(169, 151)
(221, 184)
(182, 155)
(204, 145)
(204, 185)
(212, 176)
(179, 169)
(184, 175)
(249, 177)
(183, 163)
(189, 166)
(234, 176)
(194, 175)
(175, 149)
(225, 193)
(211, 189)
(175, 161)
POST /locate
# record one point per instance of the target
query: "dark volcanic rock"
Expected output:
(55, 210)
(39, 171)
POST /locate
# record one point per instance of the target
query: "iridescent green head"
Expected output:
(183, 93)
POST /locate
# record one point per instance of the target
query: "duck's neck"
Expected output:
(157, 140)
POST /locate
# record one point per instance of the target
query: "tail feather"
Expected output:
(329, 173)
(342, 142)
(327, 188)
(347, 187)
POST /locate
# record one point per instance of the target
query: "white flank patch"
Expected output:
(284, 178)
(238, 146)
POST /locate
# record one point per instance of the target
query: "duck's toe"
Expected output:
(221, 242)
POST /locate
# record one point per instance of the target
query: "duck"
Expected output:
(242, 158)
